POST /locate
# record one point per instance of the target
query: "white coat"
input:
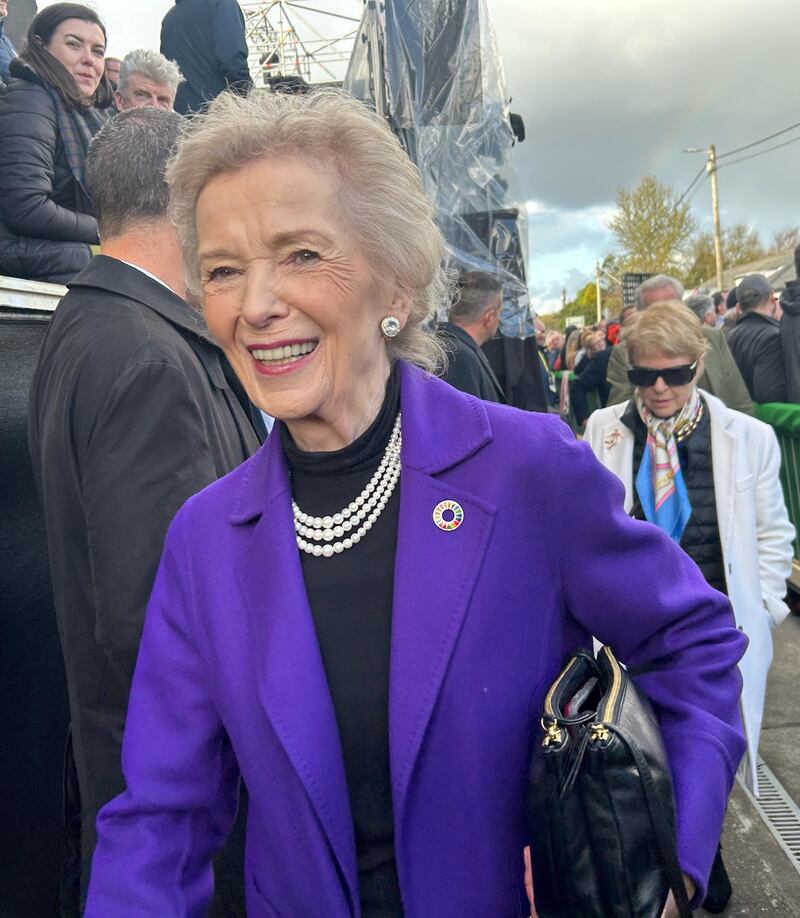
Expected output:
(755, 533)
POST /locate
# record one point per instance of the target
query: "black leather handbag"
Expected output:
(600, 803)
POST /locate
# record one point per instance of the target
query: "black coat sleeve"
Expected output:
(230, 45)
(28, 136)
(591, 378)
(134, 478)
(790, 346)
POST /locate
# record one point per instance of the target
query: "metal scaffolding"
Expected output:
(311, 39)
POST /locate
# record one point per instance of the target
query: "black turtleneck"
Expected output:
(350, 595)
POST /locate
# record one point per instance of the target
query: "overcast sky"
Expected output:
(611, 91)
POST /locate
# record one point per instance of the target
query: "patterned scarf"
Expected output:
(660, 483)
(77, 127)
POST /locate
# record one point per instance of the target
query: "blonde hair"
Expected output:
(668, 327)
(571, 349)
(381, 195)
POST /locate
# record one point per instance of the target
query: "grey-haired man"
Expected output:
(147, 78)
(721, 376)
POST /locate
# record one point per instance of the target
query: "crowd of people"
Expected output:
(58, 92)
(753, 341)
(287, 558)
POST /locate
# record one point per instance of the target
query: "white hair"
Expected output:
(152, 65)
(658, 282)
(379, 190)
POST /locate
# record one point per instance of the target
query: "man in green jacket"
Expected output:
(721, 376)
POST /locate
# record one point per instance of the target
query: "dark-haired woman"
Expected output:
(48, 116)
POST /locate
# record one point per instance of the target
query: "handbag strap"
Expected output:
(661, 822)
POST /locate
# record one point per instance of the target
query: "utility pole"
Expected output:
(711, 169)
(597, 287)
(564, 299)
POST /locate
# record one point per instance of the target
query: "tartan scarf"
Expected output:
(659, 482)
(77, 127)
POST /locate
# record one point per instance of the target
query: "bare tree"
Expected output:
(786, 239)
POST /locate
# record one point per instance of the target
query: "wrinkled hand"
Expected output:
(670, 910)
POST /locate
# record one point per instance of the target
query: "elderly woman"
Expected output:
(361, 622)
(709, 477)
(48, 116)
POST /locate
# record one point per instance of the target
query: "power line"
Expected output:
(777, 146)
(756, 143)
(691, 185)
(697, 187)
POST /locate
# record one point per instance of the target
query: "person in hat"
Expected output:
(756, 341)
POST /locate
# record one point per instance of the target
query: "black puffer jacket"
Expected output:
(700, 539)
(45, 220)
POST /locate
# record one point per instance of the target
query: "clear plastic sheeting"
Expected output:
(432, 68)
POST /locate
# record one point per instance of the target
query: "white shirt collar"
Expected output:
(148, 273)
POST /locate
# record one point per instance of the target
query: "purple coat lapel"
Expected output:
(293, 688)
(435, 571)
(435, 574)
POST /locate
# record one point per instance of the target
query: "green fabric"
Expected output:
(785, 421)
(784, 418)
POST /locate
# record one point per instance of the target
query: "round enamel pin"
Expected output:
(448, 515)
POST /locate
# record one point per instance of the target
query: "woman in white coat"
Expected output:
(709, 477)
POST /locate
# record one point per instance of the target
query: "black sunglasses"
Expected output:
(642, 377)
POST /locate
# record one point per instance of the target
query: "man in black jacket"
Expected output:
(133, 410)
(206, 39)
(473, 320)
(756, 341)
(790, 333)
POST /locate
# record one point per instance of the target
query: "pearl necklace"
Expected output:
(359, 515)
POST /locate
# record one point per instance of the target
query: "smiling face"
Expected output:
(292, 300)
(139, 92)
(80, 46)
(3, 8)
(664, 401)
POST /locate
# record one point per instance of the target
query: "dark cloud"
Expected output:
(611, 92)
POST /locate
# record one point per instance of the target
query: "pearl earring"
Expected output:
(390, 327)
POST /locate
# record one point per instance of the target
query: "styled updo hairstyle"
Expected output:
(379, 190)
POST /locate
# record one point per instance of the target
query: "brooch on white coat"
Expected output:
(448, 515)
(613, 438)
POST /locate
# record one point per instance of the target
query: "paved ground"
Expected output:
(764, 880)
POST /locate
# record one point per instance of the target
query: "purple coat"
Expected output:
(230, 681)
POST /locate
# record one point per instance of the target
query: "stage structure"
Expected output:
(293, 38)
(432, 68)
